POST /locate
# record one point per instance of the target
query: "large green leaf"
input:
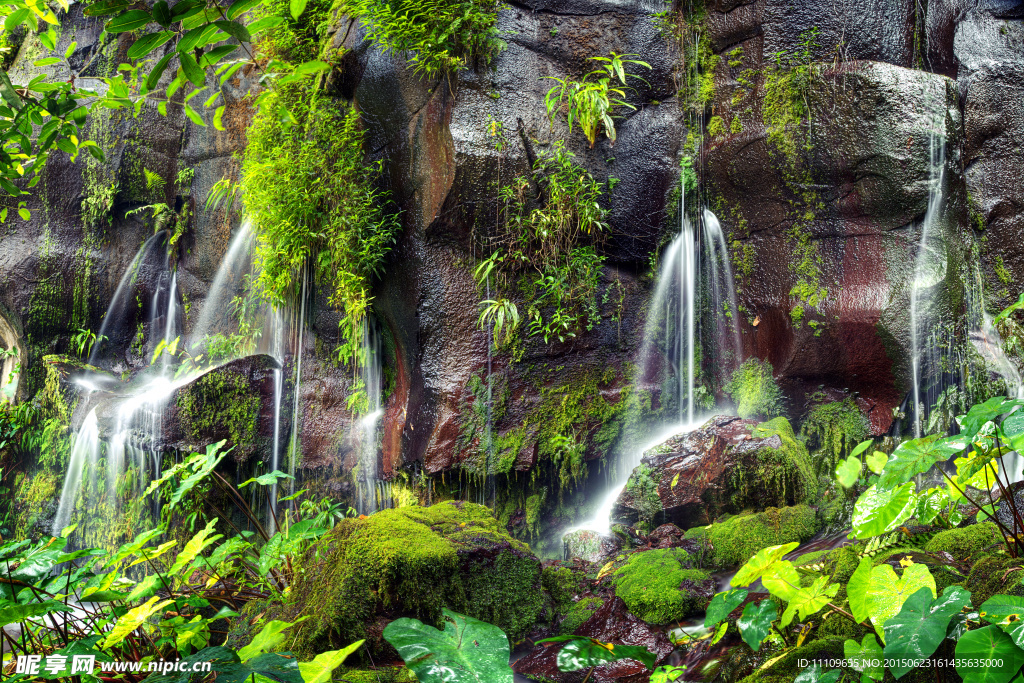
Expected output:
(814, 674)
(879, 511)
(269, 637)
(887, 592)
(981, 414)
(319, 670)
(756, 622)
(857, 589)
(914, 634)
(1006, 612)
(809, 600)
(978, 652)
(760, 563)
(865, 657)
(583, 653)
(129, 21)
(914, 457)
(467, 651)
(722, 605)
(12, 612)
(848, 471)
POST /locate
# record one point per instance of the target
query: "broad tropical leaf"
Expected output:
(761, 562)
(887, 592)
(879, 511)
(919, 628)
(756, 622)
(467, 650)
(992, 644)
(809, 600)
(323, 665)
(914, 457)
(865, 657)
(722, 605)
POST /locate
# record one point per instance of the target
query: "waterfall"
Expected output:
(85, 453)
(690, 334)
(227, 284)
(277, 351)
(369, 375)
(927, 335)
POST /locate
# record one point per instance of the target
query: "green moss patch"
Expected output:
(414, 561)
(657, 586)
(965, 543)
(737, 540)
(578, 614)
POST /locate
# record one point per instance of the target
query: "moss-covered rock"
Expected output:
(995, 575)
(578, 613)
(658, 587)
(727, 466)
(413, 561)
(737, 539)
(965, 543)
(388, 674)
(831, 430)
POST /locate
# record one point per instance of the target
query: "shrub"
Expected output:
(314, 205)
(550, 249)
(438, 37)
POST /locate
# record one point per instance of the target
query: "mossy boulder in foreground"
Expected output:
(727, 466)
(659, 587)
(737, 539)
(412, 562)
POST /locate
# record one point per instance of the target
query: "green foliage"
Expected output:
(590, 100)
(916, 632)
(336, 228)
(753, 389)
(550, 249)
(652, 584)
(438, 37)
(716, 126)
(644, 490)
(831, 430)
(467, 651)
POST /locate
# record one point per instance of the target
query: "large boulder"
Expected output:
(726, 466)
(413, 562)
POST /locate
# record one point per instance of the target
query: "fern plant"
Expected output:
(589, 101)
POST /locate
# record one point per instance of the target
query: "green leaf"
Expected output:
(14, 19)
(879, 511)
(216, 54)
(147, 43)
(848, 471)
(323, 665)
(863, 656)
(196, 545)
(129, 21)
(240, 7)
(192, 72)
(981, 414)
(162, 13)
(218, 117)
(913, 635)
(132, 620)
(991, 644)
(809, 600)
(583, 653)
(667, 674)
(16, 612)
(914, 457)
(887, 592)
(235, 30)
(158, 71)
(47, 61)
(930, 504)
(876, 461)
(25, 214)
(297, 8)
(761, 562)
(857, 589)
(756, 622)
(1006, 612)
(105, 7)
(814, 674)
(468, 650)
(269, 637)
(312, 67)
(266, 479)
(861, 447)
(722, 605)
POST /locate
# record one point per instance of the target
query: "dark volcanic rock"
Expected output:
(611, 624)
(726, 466)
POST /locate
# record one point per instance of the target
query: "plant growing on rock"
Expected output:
(589, 101)
(547, 246)
(438, 37)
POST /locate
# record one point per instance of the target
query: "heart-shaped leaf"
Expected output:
(879, 511)
(722, 605)
(865, 657)
(761, 562)
(913, 635)
(991, 646)
(756, 622)
(467, 650)
(914, 457)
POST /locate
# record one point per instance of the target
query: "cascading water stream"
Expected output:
(369, 372)
(227, 284)
(84, 454)
(929, 271)
(680, 338)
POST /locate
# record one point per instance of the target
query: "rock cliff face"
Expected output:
(821, 186)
